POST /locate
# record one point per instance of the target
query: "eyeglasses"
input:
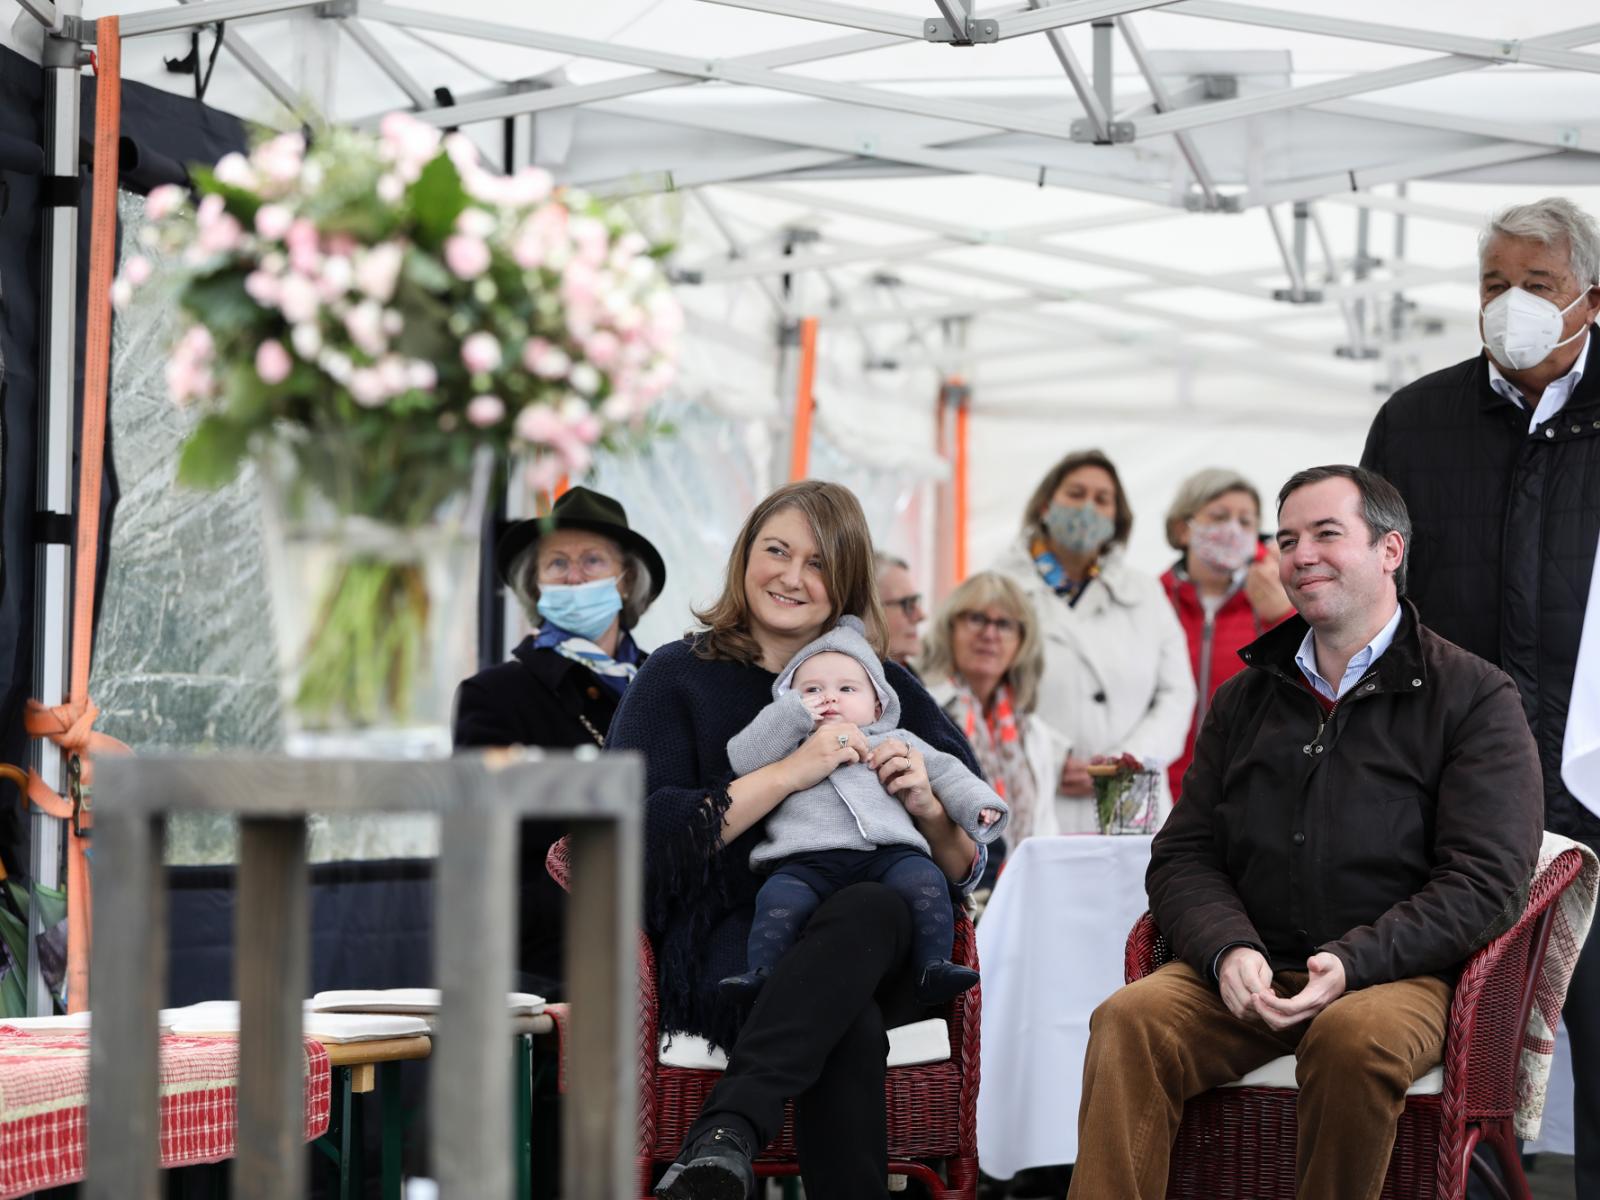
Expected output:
(977, 622)
(906, 604)
(592, 563)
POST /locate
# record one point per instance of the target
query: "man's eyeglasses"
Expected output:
(977, 622)
(906, 604)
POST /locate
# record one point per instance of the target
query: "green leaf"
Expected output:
(212, 453)
(221, 303)
(437, 199)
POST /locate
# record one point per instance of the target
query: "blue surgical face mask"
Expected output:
(1080, 528)
(586, 609)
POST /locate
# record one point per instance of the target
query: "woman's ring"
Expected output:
(844, 739)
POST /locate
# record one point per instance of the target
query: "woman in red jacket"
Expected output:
(1225, 587)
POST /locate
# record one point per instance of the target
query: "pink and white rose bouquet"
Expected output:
(387, 306)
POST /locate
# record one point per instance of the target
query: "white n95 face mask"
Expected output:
(1520, 329)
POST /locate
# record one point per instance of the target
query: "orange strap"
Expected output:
(71, 725)
(804, 401)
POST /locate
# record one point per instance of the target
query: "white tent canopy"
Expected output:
(1113, 218)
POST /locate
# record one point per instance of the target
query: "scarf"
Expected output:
(616, 673)
(1053, 573)
(996, 740)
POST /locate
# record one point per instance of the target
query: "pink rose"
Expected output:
(234, 170)
(298, 299)
(544, 472)
(307, 341)
(366, 387)
(538, 424)
(484, 411)
(335, 277)
(475, 222)
(480, 353)
(467, 257)
(163, 201)
(582, 425)
(378, 270)
(364, 324)
(264, 289)
(603, 349)
(211, 208)
(221, 236)
(273, 221)
(551, 362)
(584, 379)
(273, 363)
(301, 238)
(394, 375)
(137, 271)
(281, 158)
(121, 294)
(421, 375)
(591, 239)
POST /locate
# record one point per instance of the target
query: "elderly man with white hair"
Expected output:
(1498, 459)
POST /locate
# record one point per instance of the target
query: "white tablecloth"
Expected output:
(1050, 946)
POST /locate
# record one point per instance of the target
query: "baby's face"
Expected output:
(836, 688)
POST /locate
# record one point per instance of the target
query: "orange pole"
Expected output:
(804, 402)
(959, 488)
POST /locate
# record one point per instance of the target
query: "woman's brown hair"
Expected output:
(844, 545)
(1033, 522)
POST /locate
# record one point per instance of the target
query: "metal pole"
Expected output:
(1102, 63)
(58, 358)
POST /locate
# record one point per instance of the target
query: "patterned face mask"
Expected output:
(1223, 547)
(1078, 528)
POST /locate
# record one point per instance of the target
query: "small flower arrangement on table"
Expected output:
(1124, 795)
(383, 313)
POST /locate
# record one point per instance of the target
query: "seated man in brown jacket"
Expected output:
(1363, 812)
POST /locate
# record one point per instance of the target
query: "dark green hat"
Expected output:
(581, 508)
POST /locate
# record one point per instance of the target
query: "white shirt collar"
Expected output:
(1306, 659)
(1555, 396)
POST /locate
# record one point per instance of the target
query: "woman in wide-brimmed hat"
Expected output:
(584, 578)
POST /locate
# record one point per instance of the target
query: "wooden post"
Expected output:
(271, 973)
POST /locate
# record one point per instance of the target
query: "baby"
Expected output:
(848, 828)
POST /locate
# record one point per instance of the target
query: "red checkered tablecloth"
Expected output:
(44, 1098)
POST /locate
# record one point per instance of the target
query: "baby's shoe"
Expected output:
(743, 989)
(941, 980)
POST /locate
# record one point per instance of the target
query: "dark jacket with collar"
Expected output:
(1505, 525)
(1399, 833)
(538, 698)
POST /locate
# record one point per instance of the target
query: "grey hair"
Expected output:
(883, 561)
(1199, 490)
(524, 575)
(1383, 508)
(1551, 222)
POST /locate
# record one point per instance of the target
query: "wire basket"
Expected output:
(1125, 799)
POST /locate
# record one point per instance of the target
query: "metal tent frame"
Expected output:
(1205, 135)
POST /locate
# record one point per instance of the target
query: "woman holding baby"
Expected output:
(816, 1031)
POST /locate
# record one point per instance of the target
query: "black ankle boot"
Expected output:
(941, 980)
(743, 989)
(717, 1167)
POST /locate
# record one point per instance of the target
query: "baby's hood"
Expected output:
(849, 636)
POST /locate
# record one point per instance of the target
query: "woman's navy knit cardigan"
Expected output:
(679, 712)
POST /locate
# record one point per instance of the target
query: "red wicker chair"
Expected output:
(932, 1109)
(1239, 1142)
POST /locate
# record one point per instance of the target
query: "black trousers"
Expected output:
(1581, 1015)
(818, 1035)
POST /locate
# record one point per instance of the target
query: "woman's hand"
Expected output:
(1075, 780)
(830, 746)
(1264, 590)
(904, 774)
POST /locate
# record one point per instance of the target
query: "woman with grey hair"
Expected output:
(584, 578)
(1225, 586)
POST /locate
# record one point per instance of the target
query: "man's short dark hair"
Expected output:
(1382, 506)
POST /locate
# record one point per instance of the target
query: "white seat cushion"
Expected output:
(909, 1046)
(1279, 1073)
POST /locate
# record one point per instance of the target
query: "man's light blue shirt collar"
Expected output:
(1555, 396)
(1306, 659)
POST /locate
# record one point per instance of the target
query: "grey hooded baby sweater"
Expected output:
(850, 809)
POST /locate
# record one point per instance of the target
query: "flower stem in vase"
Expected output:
(367, 647)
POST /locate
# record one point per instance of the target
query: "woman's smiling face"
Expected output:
(783, 582)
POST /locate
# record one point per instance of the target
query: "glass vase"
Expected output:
(374, 608)
(1125, 801)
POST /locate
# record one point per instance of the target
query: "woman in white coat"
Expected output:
(982, 661)
(1116, 677)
